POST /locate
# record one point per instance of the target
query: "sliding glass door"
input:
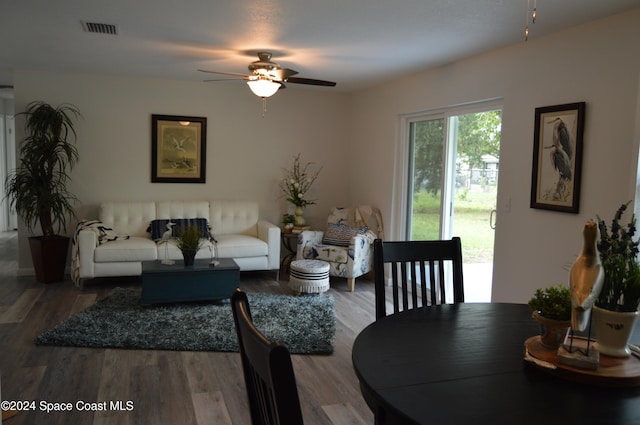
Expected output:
(451, 188)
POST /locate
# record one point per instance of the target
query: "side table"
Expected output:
(290, 243)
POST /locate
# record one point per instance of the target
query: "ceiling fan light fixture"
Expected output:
(263, 88)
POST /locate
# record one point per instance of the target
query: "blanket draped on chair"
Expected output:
(368, 216)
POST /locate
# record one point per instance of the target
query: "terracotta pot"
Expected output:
(613, 330)
(552, 332)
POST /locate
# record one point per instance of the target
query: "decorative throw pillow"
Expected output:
(341, 234)
(200, 223)
(157, 228)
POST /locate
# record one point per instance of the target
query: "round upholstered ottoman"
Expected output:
(309, 276)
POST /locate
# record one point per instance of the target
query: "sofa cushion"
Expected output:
(169, 250)
(229, 217)
(177, 209)
(341, 234)
(131, 218)
(133, 249)
(241, 246)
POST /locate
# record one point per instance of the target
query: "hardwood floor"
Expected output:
(158, 387)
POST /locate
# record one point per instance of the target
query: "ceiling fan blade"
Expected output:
(283, 73)
(224, 73)
(310, 81)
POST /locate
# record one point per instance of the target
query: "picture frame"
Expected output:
(557, 157)
(178, 149)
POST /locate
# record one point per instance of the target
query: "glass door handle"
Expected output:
(492, 219)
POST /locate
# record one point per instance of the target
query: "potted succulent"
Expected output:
(37, 188)
(616, 309)
(551, 307)
(189, 242)
(288, 221)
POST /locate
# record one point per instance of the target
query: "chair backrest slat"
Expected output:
(416, 285)
(268, 372)
(394, 285)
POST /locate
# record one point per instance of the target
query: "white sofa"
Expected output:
(254, 244)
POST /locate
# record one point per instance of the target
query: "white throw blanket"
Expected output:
(103, 234)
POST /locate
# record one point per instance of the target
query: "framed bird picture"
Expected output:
(178, 149)
(557, 157)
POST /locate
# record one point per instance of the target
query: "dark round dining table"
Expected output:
(463, 364)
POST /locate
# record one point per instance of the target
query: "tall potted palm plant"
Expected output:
(37, 188)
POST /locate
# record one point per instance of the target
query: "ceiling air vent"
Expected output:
(99, 28)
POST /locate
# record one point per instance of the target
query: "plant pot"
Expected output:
(189, 258)
(49, 256)
(613, 330)
(552, 332)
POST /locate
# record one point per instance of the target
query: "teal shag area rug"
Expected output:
(304, 324)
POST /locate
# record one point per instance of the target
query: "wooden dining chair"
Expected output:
(417, 272)
(268, 372)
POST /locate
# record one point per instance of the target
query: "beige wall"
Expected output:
(245, 152)
(595, 63)
(355, 138)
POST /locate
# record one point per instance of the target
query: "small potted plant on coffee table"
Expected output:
(551, 307)
(189, 241)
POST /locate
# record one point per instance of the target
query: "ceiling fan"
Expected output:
(266, 77)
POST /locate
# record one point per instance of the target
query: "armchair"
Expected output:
(346, 244)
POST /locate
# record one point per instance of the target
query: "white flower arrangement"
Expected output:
(297, 183)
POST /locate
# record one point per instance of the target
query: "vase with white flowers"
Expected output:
(616, 309)
(295, 185)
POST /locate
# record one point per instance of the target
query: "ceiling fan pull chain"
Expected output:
(264, 106)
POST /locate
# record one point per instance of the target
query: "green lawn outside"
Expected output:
(472, 210)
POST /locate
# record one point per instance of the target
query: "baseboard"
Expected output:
(25, 271)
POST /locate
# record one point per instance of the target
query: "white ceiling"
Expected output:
(357, 43)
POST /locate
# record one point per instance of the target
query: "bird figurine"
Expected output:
(168, 234)
(585, 278)
(166, 237)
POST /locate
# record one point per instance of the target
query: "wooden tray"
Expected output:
(611, 372)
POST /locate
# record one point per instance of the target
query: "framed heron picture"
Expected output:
(557, 157)
(178, 149)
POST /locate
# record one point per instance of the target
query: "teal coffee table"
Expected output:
(170, 283)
